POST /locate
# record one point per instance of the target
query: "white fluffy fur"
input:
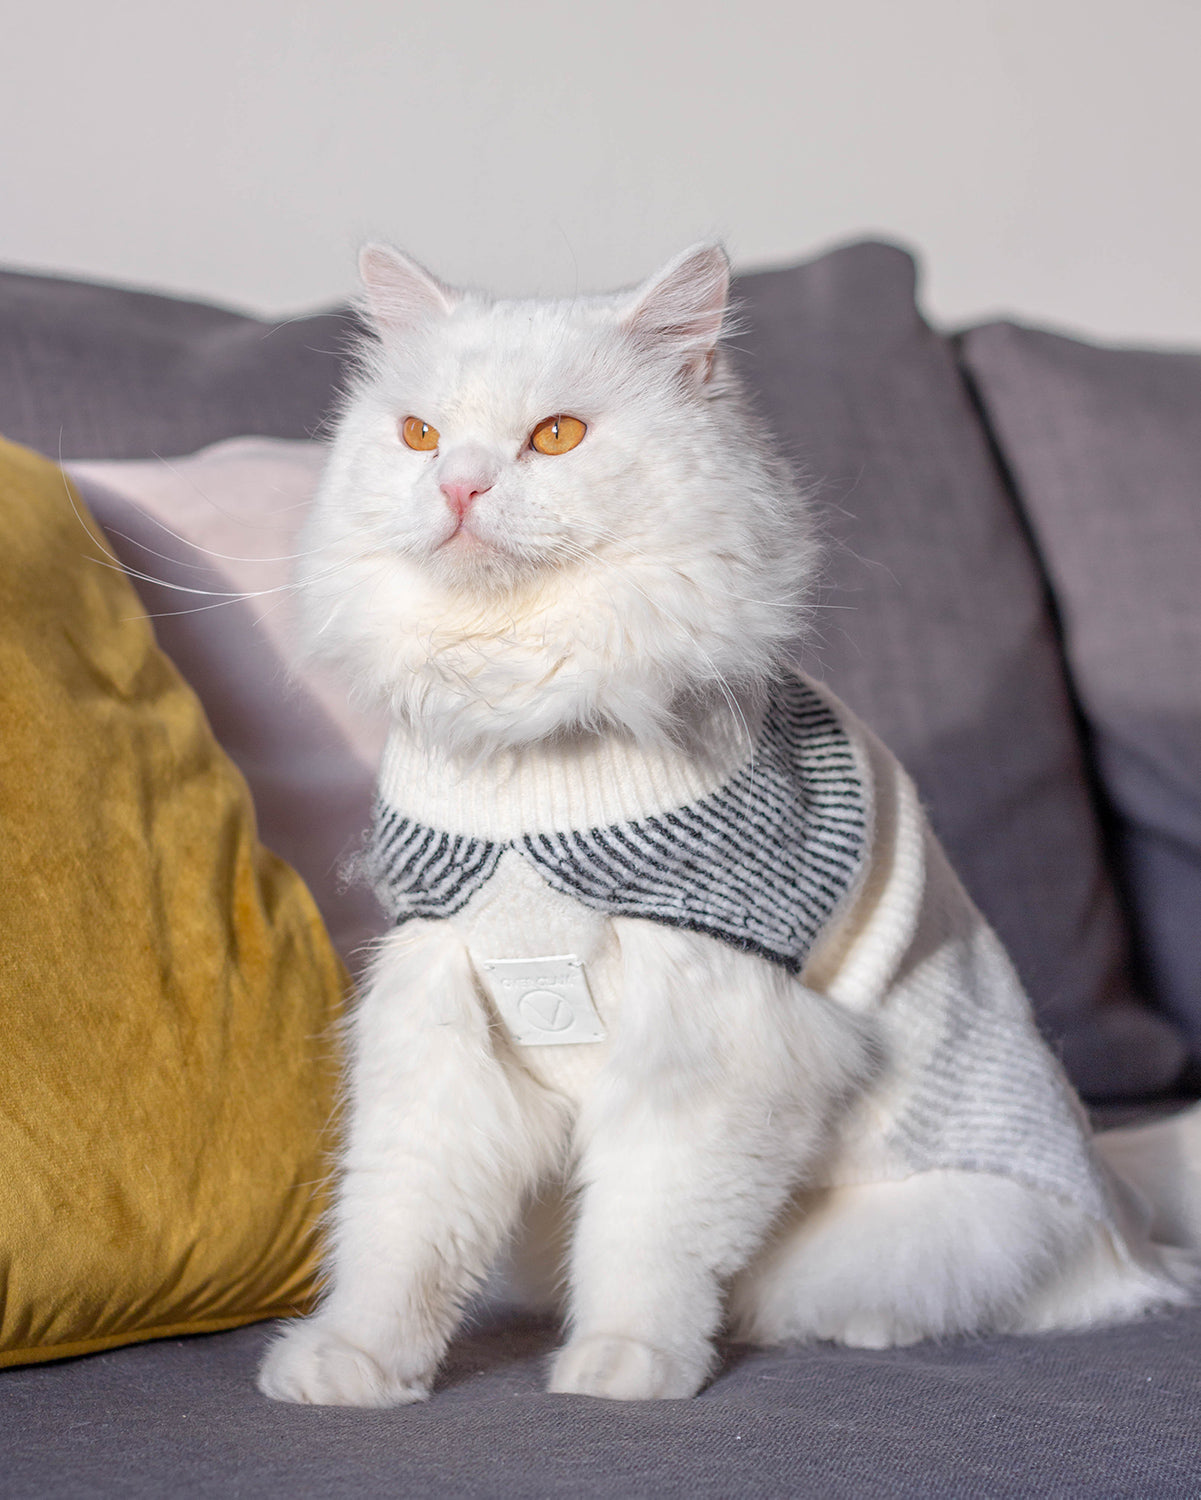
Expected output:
(593, 587)
(665, 556)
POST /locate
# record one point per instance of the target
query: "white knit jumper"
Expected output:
(787, 830)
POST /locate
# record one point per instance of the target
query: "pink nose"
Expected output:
(461, 497)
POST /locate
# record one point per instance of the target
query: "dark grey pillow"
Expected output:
(1104, 448)
(92, 371)
(932, 624)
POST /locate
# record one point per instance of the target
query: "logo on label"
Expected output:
(543, 1002)
(547, 1010)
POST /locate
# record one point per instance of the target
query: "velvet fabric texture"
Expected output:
(168, 994)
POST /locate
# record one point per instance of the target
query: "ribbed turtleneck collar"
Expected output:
(578, 781)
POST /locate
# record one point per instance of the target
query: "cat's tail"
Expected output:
(1161, 1161)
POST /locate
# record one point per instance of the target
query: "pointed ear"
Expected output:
(397, 292)
(683, 305)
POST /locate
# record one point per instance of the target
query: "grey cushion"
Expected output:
(933, 625)
(92, 371)
(1104, 446)
(1110, 1413)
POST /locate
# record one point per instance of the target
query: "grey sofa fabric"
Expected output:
(1110, 1414)
(934, 626)
(90, 371)
(932, 623)
(1104, 448)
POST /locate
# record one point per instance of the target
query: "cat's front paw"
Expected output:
(314, 1365)
(625, 1370)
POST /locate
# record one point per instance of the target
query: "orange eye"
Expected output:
(418, 434)
(558, 434)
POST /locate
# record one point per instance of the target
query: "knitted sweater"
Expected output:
(786, 830)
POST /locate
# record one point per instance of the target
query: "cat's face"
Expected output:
(511, 438)
(546, 514)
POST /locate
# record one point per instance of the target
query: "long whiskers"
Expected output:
(190, 481)
(218, 597)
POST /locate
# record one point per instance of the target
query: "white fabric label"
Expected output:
(544, 1002)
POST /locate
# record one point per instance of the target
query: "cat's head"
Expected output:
(548, 515)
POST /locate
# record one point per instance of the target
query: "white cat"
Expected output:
(685, 1010)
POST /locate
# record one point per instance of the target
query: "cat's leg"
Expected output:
(720, 1090)
(443, 1140)
(674, 1202)
(937, 1254)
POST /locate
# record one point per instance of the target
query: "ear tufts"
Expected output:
(683, 306)
(397, 292)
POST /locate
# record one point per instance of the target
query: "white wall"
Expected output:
(1042, 153)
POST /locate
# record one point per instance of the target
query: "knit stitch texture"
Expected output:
(762, 862)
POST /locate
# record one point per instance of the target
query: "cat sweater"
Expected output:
(782, 827)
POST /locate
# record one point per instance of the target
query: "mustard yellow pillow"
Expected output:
(167, 989)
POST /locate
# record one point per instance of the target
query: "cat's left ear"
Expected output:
(398, 293)
(682, 307)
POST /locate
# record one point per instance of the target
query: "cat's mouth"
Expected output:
(465, 540)
(467, 555)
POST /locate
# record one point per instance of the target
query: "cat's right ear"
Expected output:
(682, 307)
(398, 293)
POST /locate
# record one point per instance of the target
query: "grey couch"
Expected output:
(1013, 529)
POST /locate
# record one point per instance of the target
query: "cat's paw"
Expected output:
(869, 1330)
(314, 1365)
(625, 1370)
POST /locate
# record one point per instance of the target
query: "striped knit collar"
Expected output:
(584, 781)
(761, 860)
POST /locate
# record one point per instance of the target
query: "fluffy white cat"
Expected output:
(685, 1016)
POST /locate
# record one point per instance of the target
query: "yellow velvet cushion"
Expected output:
(167, 989)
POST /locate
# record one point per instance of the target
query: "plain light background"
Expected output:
(1042, 155)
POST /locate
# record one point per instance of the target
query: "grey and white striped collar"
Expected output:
(758, 852)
